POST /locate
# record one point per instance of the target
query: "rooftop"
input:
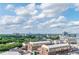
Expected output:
(40, 42)
(55, 46)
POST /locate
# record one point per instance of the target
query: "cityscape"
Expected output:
(39, 44)
(39, 29)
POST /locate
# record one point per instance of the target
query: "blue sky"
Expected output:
(71, 14)
(39, 18)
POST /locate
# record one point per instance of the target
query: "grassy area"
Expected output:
(6, 47)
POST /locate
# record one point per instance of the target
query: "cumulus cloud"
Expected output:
(74, 23)
(26, 10)
(77, 6)
(49, 10)
(60, 23)
(53, 9)
(44, 16)
(11, 20)
(10, 7)
(7, 20)
(27, 27)
(53, 22)
(21, 11)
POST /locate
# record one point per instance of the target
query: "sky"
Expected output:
(39, 18)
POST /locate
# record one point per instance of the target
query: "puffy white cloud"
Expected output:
(35, 18)
(49, 10)
(27, 27)
(11, 20)
(74, 23)
(41, 15)
(10, 7)
(26, 10)
(46, 24)
(77, 6)
(53, 9)
(19, 20)
(60, 21)
(57, 25)
(60, 24)
(21, 11)
(7, 20)
(14, 23)
(45, 16)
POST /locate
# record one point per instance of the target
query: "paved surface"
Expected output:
(13, 51)
(10, 53)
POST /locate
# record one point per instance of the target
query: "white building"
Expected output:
(68, 39)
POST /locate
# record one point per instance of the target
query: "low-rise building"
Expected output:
(53, 49)
(35, 45)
